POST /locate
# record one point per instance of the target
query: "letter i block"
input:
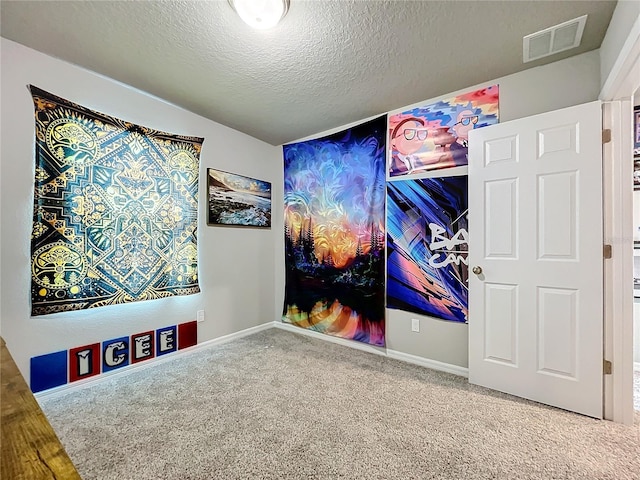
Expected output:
(84, 362)
(166, 340)
(115, 354)
(142, 347)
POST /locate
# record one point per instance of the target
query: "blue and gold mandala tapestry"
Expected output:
(115, 210)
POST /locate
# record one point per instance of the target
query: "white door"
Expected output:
(535, 231)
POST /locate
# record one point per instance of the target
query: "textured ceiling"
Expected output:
(328, 63)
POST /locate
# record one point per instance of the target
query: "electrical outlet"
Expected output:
(201, 315)
(415, 324)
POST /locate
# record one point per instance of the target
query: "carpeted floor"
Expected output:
(277, 405)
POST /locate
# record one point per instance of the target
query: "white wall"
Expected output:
(241, 270)
(561, 84)
(636, 330)
(557, 85)
(636, 262)
(622, 22)
(236, 265)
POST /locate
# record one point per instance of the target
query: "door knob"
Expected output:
(477, 270)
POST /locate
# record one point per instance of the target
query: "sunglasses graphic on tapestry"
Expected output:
(422, 133)
(436, 136)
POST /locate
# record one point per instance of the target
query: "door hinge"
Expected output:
(606, 251)
(606, 135)
(607, 367)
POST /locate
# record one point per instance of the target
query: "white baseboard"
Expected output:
(425, 362)
(68, 387)
(404, 357)
(365, 347)
(636, 366)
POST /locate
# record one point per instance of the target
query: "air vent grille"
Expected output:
(552, 40)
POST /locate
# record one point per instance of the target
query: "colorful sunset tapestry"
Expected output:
(334, 193)
(427, 269)
(436, 136)
(115, 210)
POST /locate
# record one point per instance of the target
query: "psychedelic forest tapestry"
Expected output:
(334, 233)
(427, 269)
(436, 136)
(115, 210)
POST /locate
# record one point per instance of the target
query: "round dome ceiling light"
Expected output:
(260, 14)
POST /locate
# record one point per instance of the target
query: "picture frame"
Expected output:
(236, 200)
(636, 173)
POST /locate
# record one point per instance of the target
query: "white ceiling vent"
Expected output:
(553, 39)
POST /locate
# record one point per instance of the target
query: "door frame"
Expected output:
(617, 93)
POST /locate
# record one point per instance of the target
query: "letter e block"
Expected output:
(142, 347)
(166, 340)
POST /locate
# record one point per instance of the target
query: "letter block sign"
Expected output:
(166, 340)
(84, 362)
(48, 371)
(115, 354)
(59, 368)
(142, 346)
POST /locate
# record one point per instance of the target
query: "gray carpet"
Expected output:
(277, 405)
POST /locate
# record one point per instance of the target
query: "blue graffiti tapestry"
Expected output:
(334, 233)
(115, 210)
(427, 269)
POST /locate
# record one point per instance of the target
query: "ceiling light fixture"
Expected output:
(260, 14)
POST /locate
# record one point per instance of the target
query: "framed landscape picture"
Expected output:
(237, 200)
